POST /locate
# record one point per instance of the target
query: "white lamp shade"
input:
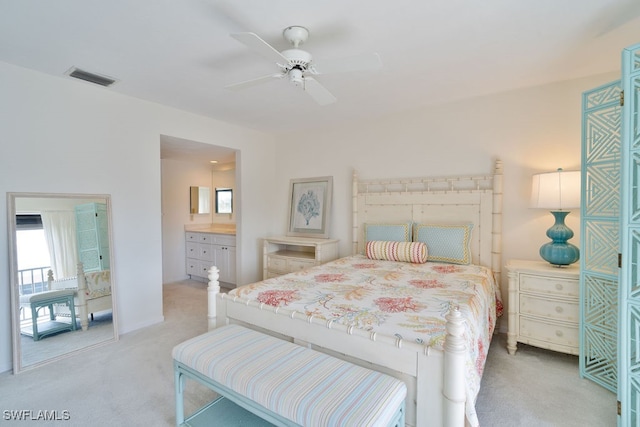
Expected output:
(556, 190)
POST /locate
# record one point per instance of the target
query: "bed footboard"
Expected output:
(438, 394)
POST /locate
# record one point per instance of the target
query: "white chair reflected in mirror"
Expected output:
(92, 293)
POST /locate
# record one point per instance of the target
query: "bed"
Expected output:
(368, 308)
(92, 293)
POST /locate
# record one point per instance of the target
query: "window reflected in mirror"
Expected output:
(224, 200)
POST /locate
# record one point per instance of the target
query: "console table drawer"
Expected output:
(277, 264)
(298, 264)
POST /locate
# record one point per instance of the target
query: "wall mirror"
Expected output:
(224, 200)
(62, 283)
(200, 200)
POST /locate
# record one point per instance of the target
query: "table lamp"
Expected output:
(559, 192)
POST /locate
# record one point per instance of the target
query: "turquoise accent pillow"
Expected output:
(445, 243)
(398, 232)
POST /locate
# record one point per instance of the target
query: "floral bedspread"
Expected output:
(404, 300)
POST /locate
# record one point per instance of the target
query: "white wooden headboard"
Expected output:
(446, 200)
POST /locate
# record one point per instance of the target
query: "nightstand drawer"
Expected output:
(549, 285)
(566, 335)
(553, 309)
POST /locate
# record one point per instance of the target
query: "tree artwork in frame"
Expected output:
(310, 207)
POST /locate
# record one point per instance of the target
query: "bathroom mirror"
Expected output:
(200, 200)
(62, 275)
(224, 200)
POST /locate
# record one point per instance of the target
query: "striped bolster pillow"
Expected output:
(414, 252)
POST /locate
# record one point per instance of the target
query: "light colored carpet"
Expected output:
(540, 388)
(130, 382)
(100, 330)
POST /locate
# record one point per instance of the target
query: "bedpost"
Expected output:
(354, 209)
(49, 279)
(82, 298)
(453, 389)
(212, 291)
(496, 244)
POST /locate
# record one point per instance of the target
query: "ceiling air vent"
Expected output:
(90, 77)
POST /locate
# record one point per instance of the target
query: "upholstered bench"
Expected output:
(265, 378)
(47, 299)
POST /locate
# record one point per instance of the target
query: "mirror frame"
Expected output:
(18, 366)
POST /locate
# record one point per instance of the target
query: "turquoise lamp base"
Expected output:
(558, 251)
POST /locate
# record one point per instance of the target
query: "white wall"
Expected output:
(531, 130)
(66, 136)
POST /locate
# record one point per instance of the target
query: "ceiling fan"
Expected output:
(298, 65)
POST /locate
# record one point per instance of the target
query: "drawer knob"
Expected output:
(559, 286)
(559, 333)
(559, 309)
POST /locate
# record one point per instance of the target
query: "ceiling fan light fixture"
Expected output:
(295, 76)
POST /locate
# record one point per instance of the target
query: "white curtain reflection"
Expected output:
(60, 232)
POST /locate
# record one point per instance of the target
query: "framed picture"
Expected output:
(310, 207)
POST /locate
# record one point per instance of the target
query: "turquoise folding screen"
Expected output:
(92, 231)
(629, 333)
(600, 218)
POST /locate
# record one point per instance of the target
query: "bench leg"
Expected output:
(34, 321)
(179, 384)
(72, 309)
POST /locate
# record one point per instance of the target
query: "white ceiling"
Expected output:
(179, 52)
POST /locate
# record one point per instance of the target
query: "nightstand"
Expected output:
(544, 307)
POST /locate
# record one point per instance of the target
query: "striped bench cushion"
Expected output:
(305, 386)
(45, 296)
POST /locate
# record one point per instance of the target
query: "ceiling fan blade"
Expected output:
(254, 82)
(255, 43)
(368, 61)
(318, 92)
